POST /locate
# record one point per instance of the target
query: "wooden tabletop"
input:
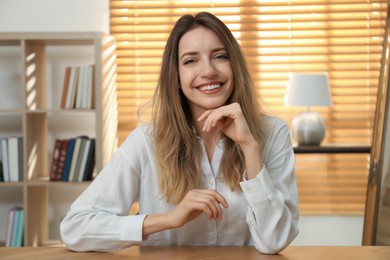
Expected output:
(240, 253)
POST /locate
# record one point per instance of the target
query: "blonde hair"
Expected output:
(178, 151)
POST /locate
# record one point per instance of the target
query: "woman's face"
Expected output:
(204, 68)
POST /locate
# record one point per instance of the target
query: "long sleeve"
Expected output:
(99, 219)
(272, 214)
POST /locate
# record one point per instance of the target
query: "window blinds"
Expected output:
(341, 37)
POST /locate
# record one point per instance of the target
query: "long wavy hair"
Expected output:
(178, 151)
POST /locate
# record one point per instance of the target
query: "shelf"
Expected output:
(47, 183)
(329, 148)
(11, 111)
(32, 66)
(11, 184)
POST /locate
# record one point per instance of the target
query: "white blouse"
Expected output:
(263, 214)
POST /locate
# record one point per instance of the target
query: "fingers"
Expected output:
(221, 116)
(209, 120)
(196, 202)
(208, 201)
(204, 115)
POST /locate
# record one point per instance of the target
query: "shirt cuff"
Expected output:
(257, 189)
(132, 228)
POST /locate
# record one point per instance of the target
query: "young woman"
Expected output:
(210, 169)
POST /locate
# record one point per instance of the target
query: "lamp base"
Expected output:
(308, 128)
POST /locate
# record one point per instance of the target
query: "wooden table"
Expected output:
(240, 253)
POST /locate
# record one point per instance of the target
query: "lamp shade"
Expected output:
(308, 89)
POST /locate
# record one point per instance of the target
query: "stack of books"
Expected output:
(78, 88)
(73, 159)
(11, 159)
(15, 227)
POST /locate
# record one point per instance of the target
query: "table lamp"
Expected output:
(308, 89)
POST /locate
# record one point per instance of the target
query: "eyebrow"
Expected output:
(190, 53)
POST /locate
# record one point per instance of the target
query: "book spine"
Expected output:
(1, 171)
(20, 159)
(19, 228)
(81, 85)
(4, 152)
(93, 86)
(90, 164)
(77, 171)
(9, 228)
(83, 159)
(72, 89)
(89, 89)
(65, 87)
(68, 160)
(75, 155)
(13, 159)
(55, 160)
(62, 159)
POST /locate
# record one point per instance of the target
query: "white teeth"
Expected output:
(210, 87)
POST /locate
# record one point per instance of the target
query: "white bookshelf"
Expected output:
(32, 68)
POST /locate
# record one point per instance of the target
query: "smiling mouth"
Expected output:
(210, 87)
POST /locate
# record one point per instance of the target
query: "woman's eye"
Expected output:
(188, 61)
(221, 56)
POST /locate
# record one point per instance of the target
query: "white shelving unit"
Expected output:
(30, 107)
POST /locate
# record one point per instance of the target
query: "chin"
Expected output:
(214, 106)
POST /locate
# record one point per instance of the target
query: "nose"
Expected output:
(208, 69)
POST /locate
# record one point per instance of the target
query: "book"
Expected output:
(79, 159)
(1, 172)
(72, 88)
(62, 159)
(19, 227)
(65, 87)
(55, 160)
(90, 88)
(13, 158)
(9, 227)
(4, 154)
(17, 215)
(81, 87)
(68, 159)
(92, 103)
(83, 159)
(75, 155)
(14, 227)
(1, 165)
(90, 164)
(20, 158)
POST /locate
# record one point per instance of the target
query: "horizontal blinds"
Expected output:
(343, 38)
(332, 184)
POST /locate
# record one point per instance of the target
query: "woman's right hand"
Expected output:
(194, 204)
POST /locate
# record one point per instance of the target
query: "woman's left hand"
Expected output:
(230, 120)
